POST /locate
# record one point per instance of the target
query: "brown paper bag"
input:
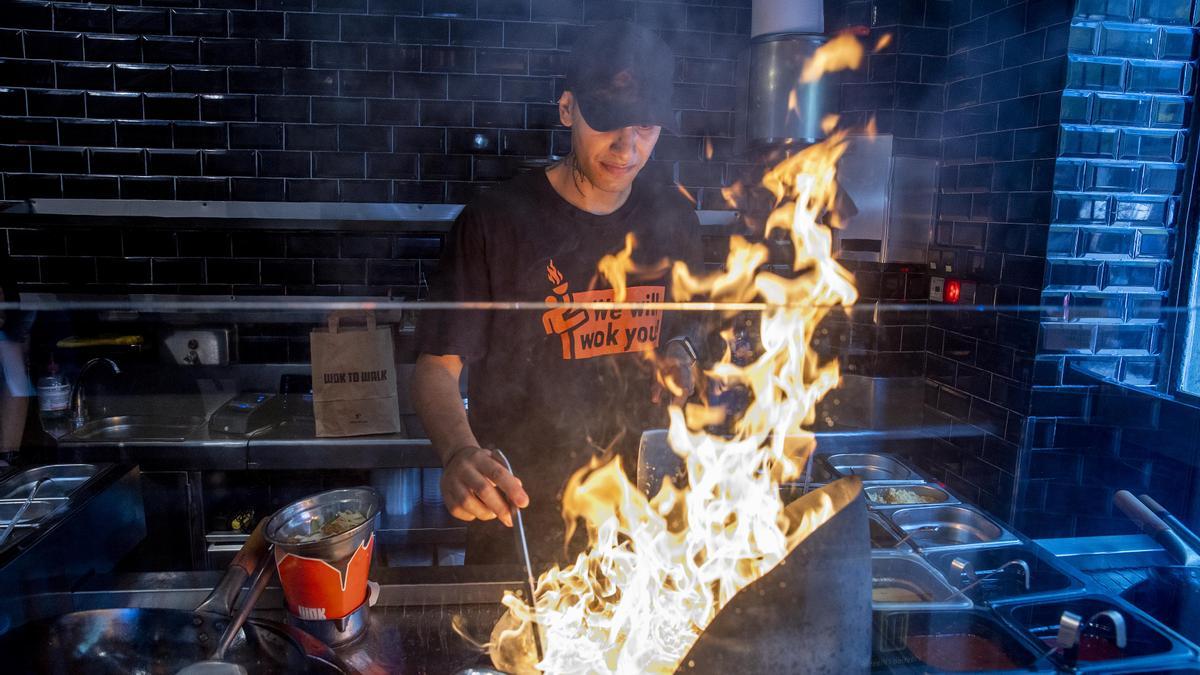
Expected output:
(354, 378)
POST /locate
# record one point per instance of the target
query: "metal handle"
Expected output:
(1154, 526)
(248, 559)
(1119, 635)
(1138, 513)
(12, 524)
(262, 577)
(523, 549)
(1185, 533)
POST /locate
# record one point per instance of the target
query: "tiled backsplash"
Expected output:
(222, 260)
(1113, 243)
(327, 100)
(1003, 76)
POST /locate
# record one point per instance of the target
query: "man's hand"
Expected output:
(476, 486)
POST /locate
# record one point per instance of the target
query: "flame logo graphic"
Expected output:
(553, 274)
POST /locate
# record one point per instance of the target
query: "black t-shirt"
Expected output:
(551, 388)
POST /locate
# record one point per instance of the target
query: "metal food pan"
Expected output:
(930, 495)
(61, 481)
(884, 536)
(39, 510)
(908, 575)
(958, 526)
(873, 468)
(1000, 573)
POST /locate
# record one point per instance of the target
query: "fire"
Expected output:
(684, 191)
(882, 43)
(842, 52)
(708, 148)
(658, 569)
(618, 267)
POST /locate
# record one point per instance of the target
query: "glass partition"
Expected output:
(661, 482)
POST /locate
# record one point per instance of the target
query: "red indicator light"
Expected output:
(953, 291)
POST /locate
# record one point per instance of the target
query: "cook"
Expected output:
(553, 387)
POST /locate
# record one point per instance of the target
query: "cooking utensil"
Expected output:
(216, 663)
(1156, 529)
(523, 549)
(162, 641)
(12, 524)
(219, 604)
(1176, 524)
(820, 591)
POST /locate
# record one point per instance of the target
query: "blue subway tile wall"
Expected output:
(901, 85)
(1003, 76)
(1118, 185)
(311, 77)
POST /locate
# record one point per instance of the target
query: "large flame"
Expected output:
(658, 569)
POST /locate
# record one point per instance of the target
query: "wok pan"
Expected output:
(154, 641)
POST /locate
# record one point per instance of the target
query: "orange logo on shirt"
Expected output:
(586, 333)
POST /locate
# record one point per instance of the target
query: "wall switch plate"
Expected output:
(937, 286)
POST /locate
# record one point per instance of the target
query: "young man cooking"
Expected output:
(550, 388)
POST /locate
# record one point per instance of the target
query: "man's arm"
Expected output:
(474, 484)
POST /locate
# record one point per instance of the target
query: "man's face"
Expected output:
(610, 160)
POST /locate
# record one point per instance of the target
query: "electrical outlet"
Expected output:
(937, 287)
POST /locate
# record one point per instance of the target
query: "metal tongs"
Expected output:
(523, 549)
(12, 524)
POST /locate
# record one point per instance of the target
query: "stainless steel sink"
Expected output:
(949, 526)
(873, 468)
(135, 428)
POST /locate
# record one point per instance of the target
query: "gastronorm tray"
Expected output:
(873, 468)
(918, 642)
(884, 535)
(896, 574)
(936, 496)
(944, 527)
(39, 510)
(61, 481)
(999, 581)
(1148, 642)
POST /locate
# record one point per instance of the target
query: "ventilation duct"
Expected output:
(786, 33)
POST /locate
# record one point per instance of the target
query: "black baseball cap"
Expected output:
(622, 75)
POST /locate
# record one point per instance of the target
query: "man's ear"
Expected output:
(564, 109)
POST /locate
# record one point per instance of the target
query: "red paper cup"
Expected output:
(324, 576)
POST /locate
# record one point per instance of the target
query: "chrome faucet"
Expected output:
(78, 409)
(1072, 628)
(971, 578)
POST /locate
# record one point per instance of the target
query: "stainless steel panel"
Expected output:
(873, 468)
(949, 526)
(864, 173)
(907, 574)
(910, 216)
(208, 347)
(893, 202)
(61, 480)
